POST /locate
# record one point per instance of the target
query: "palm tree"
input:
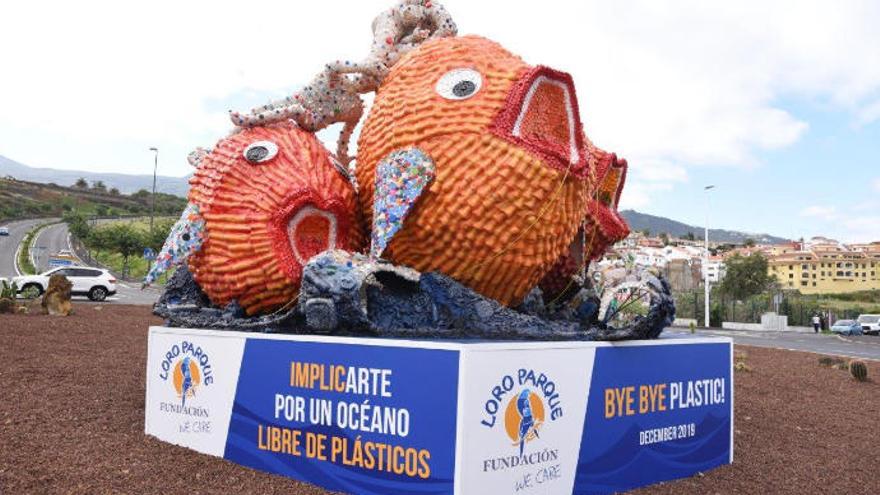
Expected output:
(81, 183)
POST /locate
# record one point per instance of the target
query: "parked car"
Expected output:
(4, 231)
(847, 327)
(870, 324)
(95, 283)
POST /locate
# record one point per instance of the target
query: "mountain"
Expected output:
(656, 225)
(178, 186)
(23, 199)
(126, 184)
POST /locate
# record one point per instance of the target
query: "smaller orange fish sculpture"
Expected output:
(261, 203)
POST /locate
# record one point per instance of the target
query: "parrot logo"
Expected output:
(523, 418)
(187, 384)
(186, 378)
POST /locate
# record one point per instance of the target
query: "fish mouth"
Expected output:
(541, 114)
(308, 225)
(311, 231)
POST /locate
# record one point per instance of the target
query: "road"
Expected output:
(55, 238)
(9, 244)
(858, 346)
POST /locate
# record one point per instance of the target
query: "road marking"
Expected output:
(15, 260)
(70, 248)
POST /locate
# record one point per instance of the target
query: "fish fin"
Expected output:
(185, 238)
(401, 179)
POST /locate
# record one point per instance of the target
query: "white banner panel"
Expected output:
(522, 419)
(191, 381)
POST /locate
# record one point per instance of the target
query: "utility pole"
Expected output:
(706, 254)
(153, 202)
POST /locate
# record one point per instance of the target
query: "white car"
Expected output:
(870, 323)
(95, 283)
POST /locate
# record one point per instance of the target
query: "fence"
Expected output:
(800, 309)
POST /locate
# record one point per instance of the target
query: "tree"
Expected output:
(121, 238)
(665, 238)
(749, 242)
(77, 225)
(690, 236)
(99, 186)
(114, 191)
(745, 276)
(646, 232)
(156, 239)
(81, 183)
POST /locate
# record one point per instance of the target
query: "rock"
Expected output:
(184, 304)
(56, 300)
(7, 306)
(321, 314)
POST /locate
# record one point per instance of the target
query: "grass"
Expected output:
(836, 304)
(137, 265)
(24, 258)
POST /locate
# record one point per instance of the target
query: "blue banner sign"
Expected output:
(381, 416)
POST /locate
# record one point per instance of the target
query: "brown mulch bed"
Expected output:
(72, 398)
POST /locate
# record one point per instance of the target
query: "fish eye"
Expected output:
(260, 151)
(459, 84)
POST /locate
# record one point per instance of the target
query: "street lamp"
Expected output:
(153, 202)
(706, 254)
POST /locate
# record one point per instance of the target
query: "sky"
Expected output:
(777, 104)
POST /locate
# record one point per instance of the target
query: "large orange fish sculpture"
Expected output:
(503, 184)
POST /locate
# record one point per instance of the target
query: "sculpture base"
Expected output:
(379, 416)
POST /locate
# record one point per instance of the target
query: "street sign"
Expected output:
(53, 262)
(149, 254)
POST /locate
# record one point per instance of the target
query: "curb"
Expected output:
(36, 230)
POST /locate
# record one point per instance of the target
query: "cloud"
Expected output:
(647, 177)
(685, 83)
(869, 113)
(877, 184)
(862, 228)
(637, 195)
(868, 205)
(828, 213)
(854, 223)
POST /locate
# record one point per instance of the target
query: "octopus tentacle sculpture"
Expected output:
(333, 95)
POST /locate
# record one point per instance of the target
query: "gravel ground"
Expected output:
(72, 397)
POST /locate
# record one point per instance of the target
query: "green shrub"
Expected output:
(859, 370)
